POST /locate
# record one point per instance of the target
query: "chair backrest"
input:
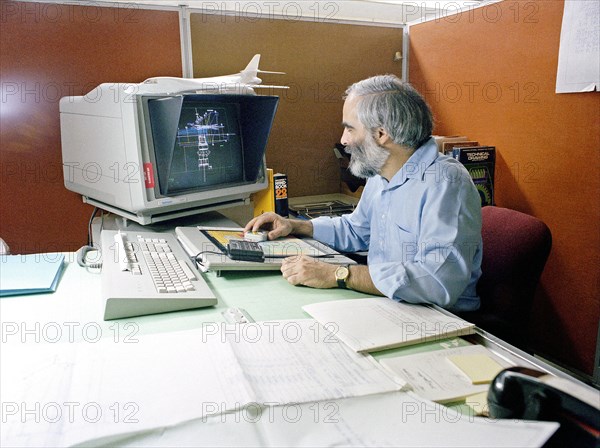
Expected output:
(515, 249)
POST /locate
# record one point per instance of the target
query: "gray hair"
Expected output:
(386, 101)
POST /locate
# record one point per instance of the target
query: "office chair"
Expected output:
(515, 249)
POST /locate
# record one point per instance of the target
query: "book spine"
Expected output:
(281, 195)
(480, 163)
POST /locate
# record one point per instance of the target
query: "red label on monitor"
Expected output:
(148, 175)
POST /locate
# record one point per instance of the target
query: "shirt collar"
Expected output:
(417, 164)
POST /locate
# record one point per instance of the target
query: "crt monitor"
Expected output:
(152, 157)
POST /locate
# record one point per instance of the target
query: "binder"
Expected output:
(30, 274)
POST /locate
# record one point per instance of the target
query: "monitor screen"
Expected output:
(208, 147)
(205, 151)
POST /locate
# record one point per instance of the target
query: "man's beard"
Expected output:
(366, 159)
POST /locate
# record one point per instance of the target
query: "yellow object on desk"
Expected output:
(264, 200)
(480, 368)
(274, 198)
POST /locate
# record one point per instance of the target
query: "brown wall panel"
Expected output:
(320, 60)
(49, 51)
(490, 74)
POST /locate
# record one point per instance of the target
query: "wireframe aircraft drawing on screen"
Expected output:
(200, 135)
(243, 82)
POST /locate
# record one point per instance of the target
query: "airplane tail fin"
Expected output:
(248, 75)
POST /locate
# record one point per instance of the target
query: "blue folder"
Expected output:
(30, 274)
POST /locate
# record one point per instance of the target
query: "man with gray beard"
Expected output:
(419, 215)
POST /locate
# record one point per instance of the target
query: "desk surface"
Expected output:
(266, 295)
(76, 309)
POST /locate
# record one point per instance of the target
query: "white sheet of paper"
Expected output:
(110, 388)
(433, 377)
(396, 419)
(301, 361)
(166, 379)
(379, 323)
(401, 420)
(579, 53)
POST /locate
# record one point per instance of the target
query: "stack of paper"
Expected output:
(167, 379)
(368, 325)
(30, 274)
(434, 376)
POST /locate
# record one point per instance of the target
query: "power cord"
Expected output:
(83, 251)
(81, 258)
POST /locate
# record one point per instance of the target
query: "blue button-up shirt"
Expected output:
(422, 230)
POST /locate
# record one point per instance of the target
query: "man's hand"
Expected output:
(278, 226)
(303, 270)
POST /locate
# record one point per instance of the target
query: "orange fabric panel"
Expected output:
(50, 51)
(490, 74)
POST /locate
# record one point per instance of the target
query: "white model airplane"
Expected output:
(243, 82)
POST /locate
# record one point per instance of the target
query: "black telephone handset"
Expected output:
(519, 392)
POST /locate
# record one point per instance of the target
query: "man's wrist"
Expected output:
(301, 227)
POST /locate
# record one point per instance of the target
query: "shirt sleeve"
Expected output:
(448, 240)
(346, 233)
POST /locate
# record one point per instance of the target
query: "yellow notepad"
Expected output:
(480, 368)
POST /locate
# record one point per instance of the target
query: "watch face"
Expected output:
(341, 273)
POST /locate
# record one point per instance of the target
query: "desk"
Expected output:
(265, 295)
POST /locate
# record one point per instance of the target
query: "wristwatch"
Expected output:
(341, 275)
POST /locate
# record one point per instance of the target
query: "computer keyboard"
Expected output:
(148, 273)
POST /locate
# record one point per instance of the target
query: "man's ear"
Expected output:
(382, 137)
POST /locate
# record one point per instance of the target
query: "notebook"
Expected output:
(30, 274)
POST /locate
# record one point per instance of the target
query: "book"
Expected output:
(441, 139)
(480, 163)
(274, 198)
(280, 181)
(447, 147)
(30, 274)
(373, 324)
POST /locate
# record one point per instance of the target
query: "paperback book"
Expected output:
(479, 162)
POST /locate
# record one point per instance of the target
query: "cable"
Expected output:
(299, 255)
(266, 256)
(81, 261)
(206, 252)
(90, 239)
(82, 252)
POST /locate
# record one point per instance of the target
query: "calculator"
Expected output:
(245, 251)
